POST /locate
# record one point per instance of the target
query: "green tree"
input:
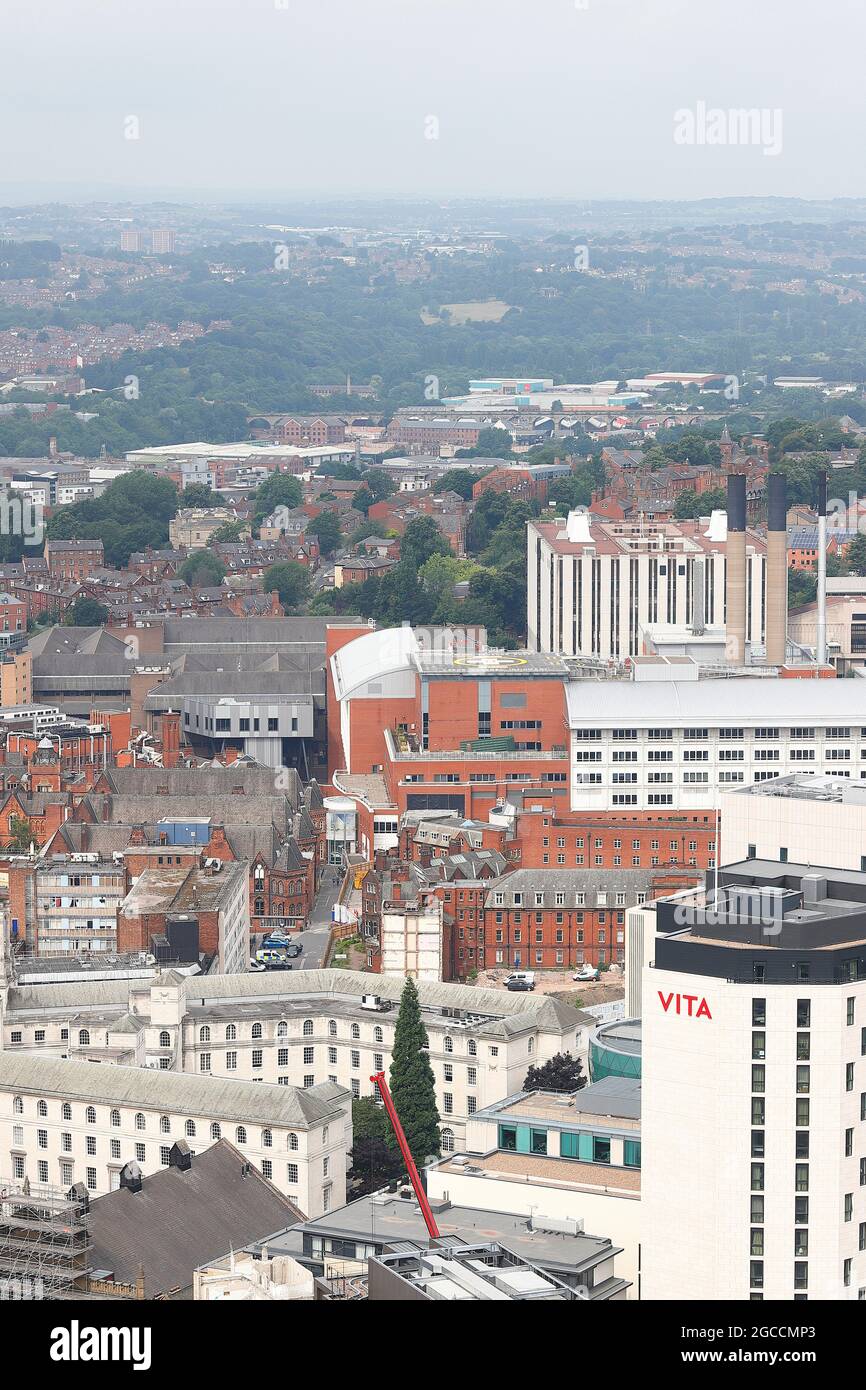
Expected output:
(86, 612)
(200, 495)
(374, 1162)
(279, 490)
(694, 504)
(802, 588)
(438, 575)
(326, 528)
(202, 570)
(133, 512)
(378, 484)
(855, 557)
(492, 443)
(229, 533)
(412, 1083)
(291, 581)
(561, 1073)
(421, 539)
(362, 501)
(459, 480)
(20, 834)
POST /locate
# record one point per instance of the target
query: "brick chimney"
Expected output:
(170, 734)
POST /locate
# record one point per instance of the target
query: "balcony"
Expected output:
(403, 747)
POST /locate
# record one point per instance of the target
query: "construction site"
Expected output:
(44, 1242)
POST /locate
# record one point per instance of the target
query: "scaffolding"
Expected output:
(44, 1242)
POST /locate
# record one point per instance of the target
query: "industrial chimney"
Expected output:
(821, 642)
(735, 571)
(777, 568)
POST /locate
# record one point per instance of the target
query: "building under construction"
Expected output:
(44, 1242)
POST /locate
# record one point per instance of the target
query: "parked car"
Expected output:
(516, 985)
(294, 949)
(527, 975)
(585, 973)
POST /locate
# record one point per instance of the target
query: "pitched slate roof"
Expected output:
(181, 1219)
(239, 1102)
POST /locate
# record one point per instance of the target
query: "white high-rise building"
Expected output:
(754, 1088)
(594, 586)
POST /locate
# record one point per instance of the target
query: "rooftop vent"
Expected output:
(180, 1155)
(130, 1176)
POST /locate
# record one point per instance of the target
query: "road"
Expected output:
(314, 939)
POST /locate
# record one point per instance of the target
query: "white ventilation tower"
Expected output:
(577, 527)
(718, 527)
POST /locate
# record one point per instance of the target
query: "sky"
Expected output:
(247, 99)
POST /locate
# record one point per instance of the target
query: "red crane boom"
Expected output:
(388, 1102)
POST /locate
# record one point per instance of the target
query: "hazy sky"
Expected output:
(569, 98)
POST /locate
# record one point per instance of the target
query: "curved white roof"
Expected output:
(373, 656)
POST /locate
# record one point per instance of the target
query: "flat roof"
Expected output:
(745, 701)
(808, 786)
(518, 1167)
(387, 1219)
(614, 1097)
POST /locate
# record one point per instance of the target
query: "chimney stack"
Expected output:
(821, 643)
(777, 569)
(735, 571)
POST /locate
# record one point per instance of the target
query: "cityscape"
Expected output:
(432, 619)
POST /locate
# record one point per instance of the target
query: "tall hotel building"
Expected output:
(754, 1087)
(593, 586)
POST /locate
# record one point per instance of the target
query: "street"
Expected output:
(314, 939)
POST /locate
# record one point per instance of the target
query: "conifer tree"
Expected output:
(412, 1084)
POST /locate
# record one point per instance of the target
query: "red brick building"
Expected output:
(73, 560)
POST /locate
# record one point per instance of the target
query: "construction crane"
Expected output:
(388, 1102)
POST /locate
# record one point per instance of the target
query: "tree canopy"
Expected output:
(326, 528)
(86, 612)
(132, 513)
(202, 570)
(561, 1073)
(291, 581)
(279, 490)
(412, 1084)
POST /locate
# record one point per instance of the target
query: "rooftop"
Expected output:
(769, 921)
(808, 786)
(385, 1219)
(518, 1167)
(181, 1218)
(615, 1098)
(214, 1098)
(490, 1012)
(714, 702)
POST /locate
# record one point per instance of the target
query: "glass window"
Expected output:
(600, 1149)
(539, 1141)
(631, 1153)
